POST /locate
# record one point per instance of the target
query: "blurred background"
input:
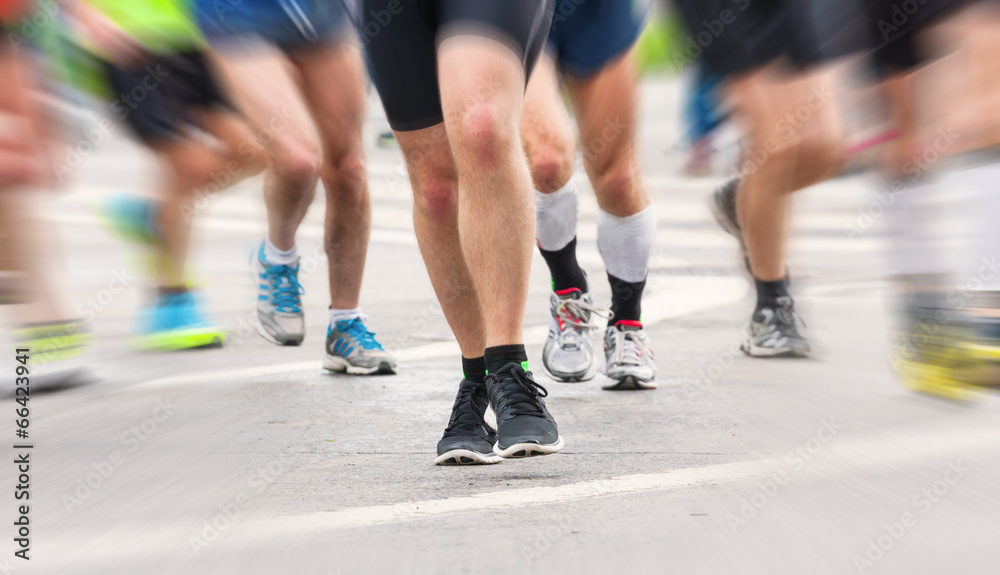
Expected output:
(205, 448)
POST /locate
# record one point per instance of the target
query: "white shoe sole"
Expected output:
(466, 457)
(629, 383)
(756, 351)
(340, 365)
(521, 450)
(262, 331)
(586, 376)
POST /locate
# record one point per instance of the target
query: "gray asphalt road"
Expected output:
(249, 459)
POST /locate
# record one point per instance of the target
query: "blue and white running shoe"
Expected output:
(351, 347)
(279, 301)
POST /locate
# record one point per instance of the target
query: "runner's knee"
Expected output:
(344, 173)
(619, 188)
(485, 136)
(436, 197)
(551, 166)
(298, 164)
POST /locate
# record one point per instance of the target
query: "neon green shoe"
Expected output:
(53, 352)
(942, 361)
(175, 322)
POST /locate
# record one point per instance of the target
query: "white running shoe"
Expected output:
(629, 358)
(568, 354)
(279, 300)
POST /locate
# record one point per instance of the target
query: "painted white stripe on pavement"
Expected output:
(353, 518)
(937, 445)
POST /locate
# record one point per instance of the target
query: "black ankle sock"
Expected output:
(769, 292)
(626, 299)
(499, 356)
(566, 272)
(474, 369)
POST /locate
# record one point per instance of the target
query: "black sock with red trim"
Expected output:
(626, 300)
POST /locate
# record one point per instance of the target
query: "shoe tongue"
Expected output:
(471, 385)
(507, 367)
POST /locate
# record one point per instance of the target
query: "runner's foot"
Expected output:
(773, 332)
(629, 358)
(279, 300)
(174, 322)
(468, 440)
(351, 348)
(568, 354)
(55, 356)
(524, 426)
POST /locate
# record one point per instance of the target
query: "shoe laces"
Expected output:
(630, 347)
(578, 314)
(285, 288)
(465, 417)
(356, 328)
(519, 393)
(785, 316)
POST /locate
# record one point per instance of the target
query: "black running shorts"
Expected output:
(155, 98)
(739, 36)
(401, 39)
(893, 28)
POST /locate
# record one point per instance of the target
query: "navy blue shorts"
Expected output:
(587, 35)
(289, 24)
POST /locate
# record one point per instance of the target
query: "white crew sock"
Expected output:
(557, 214)
(343, 314)
(626, 244)
(277, 257)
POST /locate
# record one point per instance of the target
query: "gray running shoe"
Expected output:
(568, 354)
(468, 440)
(723, 206)
(628, 357)
(524, 426)
(351, 348)
(279, 301)
(773, 332)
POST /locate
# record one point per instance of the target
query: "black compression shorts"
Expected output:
(401, 39)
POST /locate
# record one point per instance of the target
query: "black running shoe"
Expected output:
(723, 206)
(773, 332)
(468, 440)
(524, 426)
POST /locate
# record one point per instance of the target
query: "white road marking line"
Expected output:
(898, 449)
(666, 298)
(936, 445)
(357, 517)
